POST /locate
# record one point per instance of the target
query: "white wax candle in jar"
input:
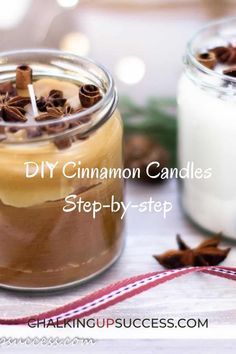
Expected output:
(207, 127)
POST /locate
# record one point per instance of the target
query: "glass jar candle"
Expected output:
(207, 128)
(74, 125)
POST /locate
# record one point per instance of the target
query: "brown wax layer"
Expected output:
(41, 246)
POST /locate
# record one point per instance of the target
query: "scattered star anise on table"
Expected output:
(12, 108)
(206, 254)
(54, 99)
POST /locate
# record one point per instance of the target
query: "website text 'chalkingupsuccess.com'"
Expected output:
(148, 323)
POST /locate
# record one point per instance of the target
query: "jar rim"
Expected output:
(190, 54)
(110, 95)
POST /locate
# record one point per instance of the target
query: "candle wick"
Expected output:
(33, 100)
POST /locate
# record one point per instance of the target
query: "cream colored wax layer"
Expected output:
(101, 149)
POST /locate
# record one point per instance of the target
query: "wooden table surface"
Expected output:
(148, 234)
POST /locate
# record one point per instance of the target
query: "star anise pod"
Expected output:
(7, 88)
(206, 254)
(54, 99)
(225, 55)
(12, 108)
(231, 72)
(54, 113)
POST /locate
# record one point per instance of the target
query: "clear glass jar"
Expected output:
(207, 131)
(43, 247)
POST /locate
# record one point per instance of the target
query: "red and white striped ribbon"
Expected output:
(116, 293)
